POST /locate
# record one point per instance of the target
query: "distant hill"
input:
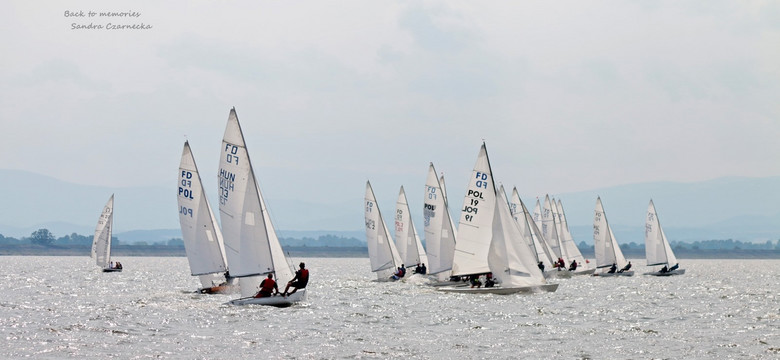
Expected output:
(746, 209)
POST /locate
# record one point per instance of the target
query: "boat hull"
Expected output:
(112, 270)
(219, 289)
(668, 273)
(277, 300)
(625, 273)
(499, 290)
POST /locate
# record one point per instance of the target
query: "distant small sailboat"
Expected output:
(407, 242)
(251, 245)
(438, 227)
(490, 241)
(199, 229)
(657, 248)
(381, 249)
(608, 253)
(101, 243)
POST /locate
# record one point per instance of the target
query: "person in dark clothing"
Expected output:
(612, 269)
(489, 282)
(675, 267)
(475, 281)
(573, 265)
(664, 270)
(625, 268)
(421, 269)
(541, 266)
(300, 280)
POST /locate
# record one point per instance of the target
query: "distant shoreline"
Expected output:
(163, 251)
(333, 251)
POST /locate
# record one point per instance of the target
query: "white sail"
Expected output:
(530, 231)
(407, 242)
(381, 250)
(438, 227)
(202, 237)
(251, 246)
(101, 243)
(509, 257)
(550, 229)
(657, 248)
(605, 245)
(475, 229)
(570, 247)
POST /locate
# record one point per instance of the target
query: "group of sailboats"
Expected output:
(489, 239)
(249, 250)
(500, 238)
(610, 258)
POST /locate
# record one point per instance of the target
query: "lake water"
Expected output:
(57, 307)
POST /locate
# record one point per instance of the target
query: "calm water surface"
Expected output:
(59, 307)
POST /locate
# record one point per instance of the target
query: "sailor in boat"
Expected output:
(118, 265)
(475, 281)
(561, 264)
(541, 266)
(300, 280)
(664, 270)
(612, 269)
(489, 282)
(625, 268)
(266, 286)
(673, 268)
(573, 265)
(420, 269)
(400, 272)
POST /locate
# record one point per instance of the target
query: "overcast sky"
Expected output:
(568, 95)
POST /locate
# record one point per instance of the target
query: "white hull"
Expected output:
(668, 273)
(605, 274)
(565, 274)
(277, 300)
(499, 290)
(449, 283)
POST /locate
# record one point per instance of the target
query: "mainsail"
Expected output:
(381, 250)
(657, 248)
(475, 229)
(251, 245)
(530, 231)
(439, 229)
(101, 242)
(407, 241)
(605, 246)
(550, 229)
(569, 246)
(202, 238)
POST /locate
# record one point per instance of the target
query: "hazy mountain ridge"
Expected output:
(746, 209)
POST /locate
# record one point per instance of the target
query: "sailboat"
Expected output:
(550, 230)
(531, 233)
(407, 242)
(657, 249)
(101, 243)
(569, 246)
(381, 249)
(252, 248)
(438, 227)
(202, 238)
(607, 250)
(489, 240)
